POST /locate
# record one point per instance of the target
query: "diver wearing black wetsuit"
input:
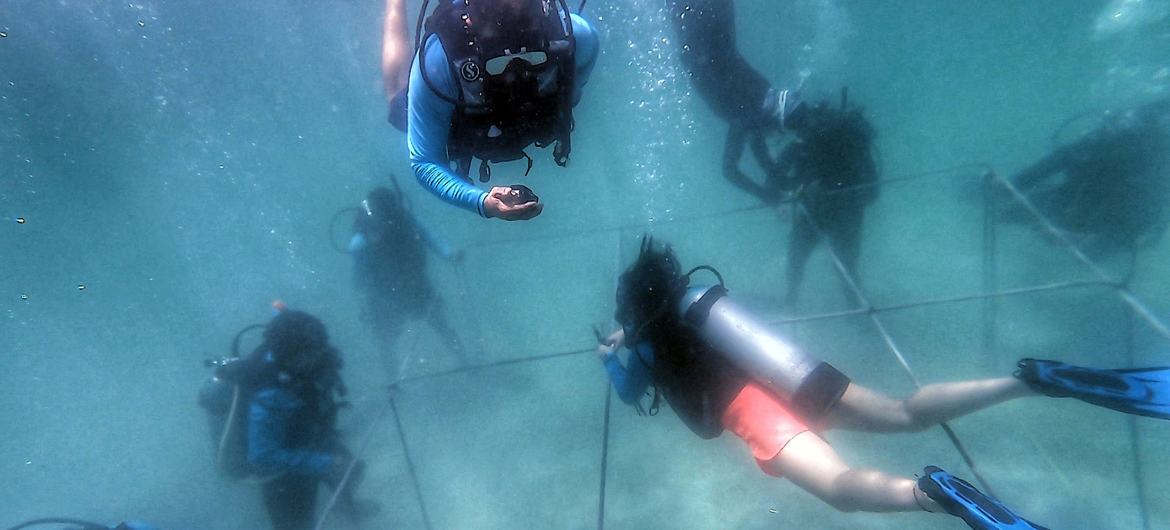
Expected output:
(733, 90)
(389, 249)
(831, 167)
(1116, 180)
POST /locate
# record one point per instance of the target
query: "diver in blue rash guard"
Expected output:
(291, 438)
(490, 79)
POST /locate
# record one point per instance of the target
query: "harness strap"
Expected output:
(699, 311)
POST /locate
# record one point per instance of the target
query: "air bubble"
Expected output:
(20, 220)
(81, 287)
(3, 34)
(141, 24)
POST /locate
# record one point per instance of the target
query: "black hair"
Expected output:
(299, 344)
(510, 24)
(648, 291)
(383, 202)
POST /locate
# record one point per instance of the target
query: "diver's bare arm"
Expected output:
(732, 151)
(395, 49)
(1042, 169)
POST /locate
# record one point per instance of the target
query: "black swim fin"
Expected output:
(961, 499)
(1141, 391)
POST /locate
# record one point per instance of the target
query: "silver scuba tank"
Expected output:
(810, 384)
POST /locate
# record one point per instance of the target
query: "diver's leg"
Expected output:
(291, 502)
(813, 465)
(387, 321)
(438, 322)
(862, 409)
(801, 242)
(841, 218)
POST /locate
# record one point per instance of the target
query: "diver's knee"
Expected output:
(842, 504)
(911, 421)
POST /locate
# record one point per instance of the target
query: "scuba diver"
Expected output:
(1114, 182)
(277, 409)
(734, 91)
(720, 369)
(490, 78)
(75, 524)
(829, 168)
(390, 264)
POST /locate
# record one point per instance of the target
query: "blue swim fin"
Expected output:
(961, 499)
(1141, 391)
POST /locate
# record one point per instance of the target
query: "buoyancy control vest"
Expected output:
(697, 383)
(227, 395)
(498, 116)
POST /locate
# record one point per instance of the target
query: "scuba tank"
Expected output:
(812, 386)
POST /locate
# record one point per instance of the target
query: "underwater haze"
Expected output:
(170, 168)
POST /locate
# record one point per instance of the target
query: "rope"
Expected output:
(339, 248)
(604, 459)
(229, 425)
(617, 267)
(990, 262)
(422, 507)
(1134, 438)
(369, 436)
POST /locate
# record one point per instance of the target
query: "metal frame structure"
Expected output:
(993, 186)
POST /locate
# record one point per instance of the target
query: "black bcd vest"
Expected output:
(495, 121)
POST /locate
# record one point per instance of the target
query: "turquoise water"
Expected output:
(174, 166)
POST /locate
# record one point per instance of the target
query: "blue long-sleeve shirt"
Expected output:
(272, 416)
(632, 380)
(429, 117)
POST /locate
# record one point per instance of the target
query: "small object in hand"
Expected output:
(519, 195)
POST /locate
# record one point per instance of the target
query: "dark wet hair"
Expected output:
(648, 292)
(383, 202)
(299, 343)
(510, 24)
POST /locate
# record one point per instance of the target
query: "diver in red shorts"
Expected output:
(720, 369)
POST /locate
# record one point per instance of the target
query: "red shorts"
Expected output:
(763, 421)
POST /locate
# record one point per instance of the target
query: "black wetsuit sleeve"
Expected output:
(785, 179)
(737, 139)
(774, 172)
(1042, 169)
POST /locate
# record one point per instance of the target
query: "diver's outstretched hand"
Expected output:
(512, 203)
(607, 346)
